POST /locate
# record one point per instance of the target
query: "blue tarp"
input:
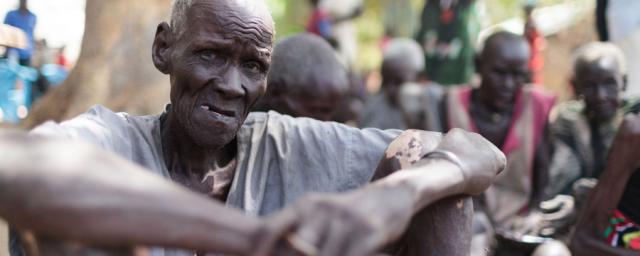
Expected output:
(15, 90)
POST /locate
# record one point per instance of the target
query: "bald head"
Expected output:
(504, 68)
(306, 63)
(306, 77)
(501, 41)
(403, 60)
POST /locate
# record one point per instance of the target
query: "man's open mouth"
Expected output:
(214, 109)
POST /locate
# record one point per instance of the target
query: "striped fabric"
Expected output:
(622, 232)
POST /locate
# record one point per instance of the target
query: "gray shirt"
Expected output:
(279, 158)
(418, 105)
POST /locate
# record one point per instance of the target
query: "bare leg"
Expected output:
(443, 228)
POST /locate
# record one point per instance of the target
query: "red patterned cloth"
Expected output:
(622, 232)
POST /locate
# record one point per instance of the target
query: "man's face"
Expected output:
(599, 84)
(504, 69)
(395, 73)
(218, 70)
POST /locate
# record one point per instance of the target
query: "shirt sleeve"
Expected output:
(7, 18)
(98, 126)
(340, 157)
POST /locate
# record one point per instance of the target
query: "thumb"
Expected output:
(273, 231)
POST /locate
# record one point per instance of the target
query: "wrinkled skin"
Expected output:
(599, 84)
(504, 68)
(622, 162)
(217, 69)
(344, 224)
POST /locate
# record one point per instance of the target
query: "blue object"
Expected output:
(15, 101)
(27, 23)
(54, 73)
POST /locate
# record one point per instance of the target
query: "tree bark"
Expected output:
(114, 67)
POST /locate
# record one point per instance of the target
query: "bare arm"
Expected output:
(604, 199)
(377, 214)
(74, 192)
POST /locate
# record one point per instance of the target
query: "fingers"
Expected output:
(274, 230)
(309, 236)
(351, 237)
(338, 238)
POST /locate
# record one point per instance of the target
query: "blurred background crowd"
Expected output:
(547, 81)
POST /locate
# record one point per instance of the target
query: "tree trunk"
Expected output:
(114, 67)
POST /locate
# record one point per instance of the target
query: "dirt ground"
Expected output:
(557, 55)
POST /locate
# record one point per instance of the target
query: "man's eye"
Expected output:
(207, 55)
(252, 66)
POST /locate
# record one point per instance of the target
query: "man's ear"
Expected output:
(625, 83)
(577, 90)
(477, 59)
(161, 47)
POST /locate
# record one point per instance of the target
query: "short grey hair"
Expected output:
(594, 52)
(179, 9)
(406, 50)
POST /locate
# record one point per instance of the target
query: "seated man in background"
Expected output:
(609, 224)
(197, 176)
(402, 103)
(585, 128)
(514, 117)
(306, 79)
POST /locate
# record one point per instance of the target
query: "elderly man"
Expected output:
(306, 79)
(585, 128)
(217, 54)
(513, 117)
(393, 107)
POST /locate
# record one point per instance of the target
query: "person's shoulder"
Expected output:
(567, 116)
(569, 111)
(275, 124)
(631, 105)
(97, 120)
(11, 14)
(539, 93)
(274, 119)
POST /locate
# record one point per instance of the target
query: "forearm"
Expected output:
(417, 187)
(424, 184)
(53, 191)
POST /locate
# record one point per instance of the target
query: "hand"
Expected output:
(346, 224)
(481, 160)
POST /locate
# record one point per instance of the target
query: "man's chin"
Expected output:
(212, 141)
(213, 137)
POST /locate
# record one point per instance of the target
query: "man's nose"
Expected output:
(601, 92)
(231, 84)
(510, 82)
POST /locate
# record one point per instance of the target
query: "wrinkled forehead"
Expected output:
(243, 21)
(604, 66)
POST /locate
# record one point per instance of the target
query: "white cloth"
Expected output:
(280, 158)
(623, 22)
